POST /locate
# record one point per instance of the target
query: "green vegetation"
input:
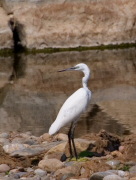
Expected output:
(125, 168)
(8, 52)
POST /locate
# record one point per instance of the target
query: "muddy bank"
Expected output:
(30, 157)
(43, 24)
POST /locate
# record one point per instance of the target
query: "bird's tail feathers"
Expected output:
(54, 128)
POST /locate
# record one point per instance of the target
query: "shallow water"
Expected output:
(32, 91)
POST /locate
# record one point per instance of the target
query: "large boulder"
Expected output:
(43, 24)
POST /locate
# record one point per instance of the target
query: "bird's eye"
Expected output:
(76, 67)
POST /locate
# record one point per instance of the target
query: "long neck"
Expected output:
(86, 77)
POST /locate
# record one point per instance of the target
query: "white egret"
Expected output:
(73, 107)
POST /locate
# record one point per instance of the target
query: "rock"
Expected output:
(30, 169)
(50, 165)
(116, 154)
(40, 172)
(61, 137)
(113, 177)
(28, 141)
(121, 149)
(45, 137)
(18, 150)
(133, 178)
(4, 141)
(60, 24)
(21, 174)
(6, 40)
(66, 176)
(10, 148)
(113, 163)
(100, 175)
(122, 173)
(60, 148)
(130, 163)
(4, 168)
(132, 169)
(4, 135)
(28, 152)
(73, 170)
(81, 145)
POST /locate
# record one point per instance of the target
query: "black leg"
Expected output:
(69, 141)
(72, 138)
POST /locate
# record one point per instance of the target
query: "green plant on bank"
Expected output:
(7, 173)
(123, 167)
(9, 52)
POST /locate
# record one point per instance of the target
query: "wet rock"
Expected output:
(113, 163)
(113, 177)
(4, 168)
(40, 172)
(50, 164)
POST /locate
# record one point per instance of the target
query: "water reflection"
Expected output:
(32, 91)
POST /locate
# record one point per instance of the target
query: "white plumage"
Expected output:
(75, 105)
(71, 110)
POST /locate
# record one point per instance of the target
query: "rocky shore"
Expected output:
(42, 24)
(102, 156)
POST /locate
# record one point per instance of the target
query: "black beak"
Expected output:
(69, 69)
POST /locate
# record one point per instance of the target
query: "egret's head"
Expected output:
(79, 67)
